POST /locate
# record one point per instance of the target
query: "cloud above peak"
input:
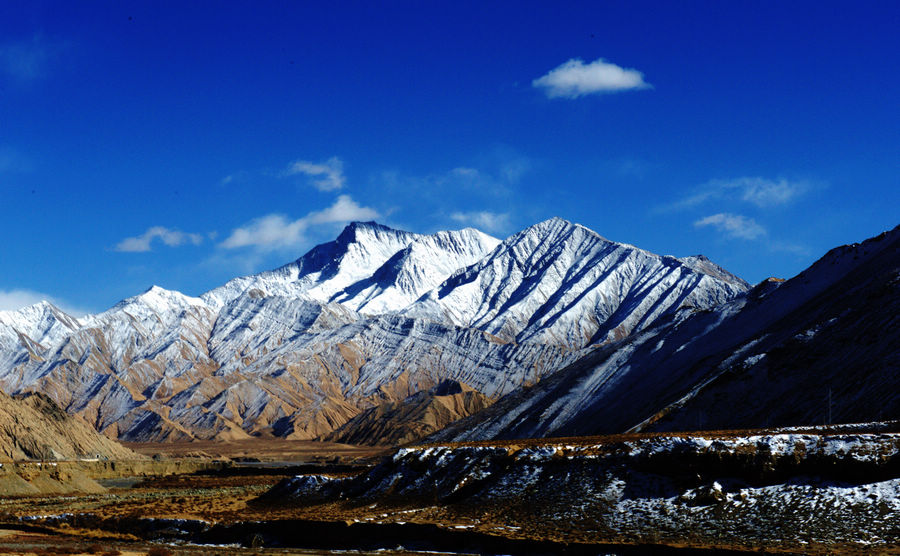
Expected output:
(762, 192)
(275, 231)
(732, 225)
(324, 176)
(15, 299)
(171, 238)
(576, 78)
(483, 220)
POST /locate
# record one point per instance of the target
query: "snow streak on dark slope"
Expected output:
(768, 359)
(558, 282)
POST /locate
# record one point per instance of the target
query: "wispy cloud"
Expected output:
(324, 176)
(761, 192)
(575, 78)
(732, 225)
(493, 177)
(15, 299)
(27, 60)
(797, 249)
(172, 238)
(483, 220)
(234, 178)
(276, 231)
(767, 193)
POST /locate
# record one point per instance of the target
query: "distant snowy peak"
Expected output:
(559, 282)
(40, 322)
(157, 299)
(369, 267)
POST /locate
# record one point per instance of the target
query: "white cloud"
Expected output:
(732, 225)
(761, 192)
(575, 78)
(330, 173)
(344, 209)
(766, 193)
(483, 220)
(13, 300)
(172, 238)
(275, 231)
(272, 231)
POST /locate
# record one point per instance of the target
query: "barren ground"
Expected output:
(231, 495)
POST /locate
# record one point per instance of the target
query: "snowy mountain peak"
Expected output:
(351, 232)
(158, 299)
(415, 269)
(369, 267)
(38, 319)
(562, 283)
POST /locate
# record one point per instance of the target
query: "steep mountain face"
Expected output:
(558, 282)
(371, 318)
(817, 348)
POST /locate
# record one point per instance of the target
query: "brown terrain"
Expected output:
(409, 420)
(33, 427)
(227, 483)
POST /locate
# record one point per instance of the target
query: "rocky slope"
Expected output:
(796, 491)
(373, 317)
(423, 413)
(33, 427)
(821, 347)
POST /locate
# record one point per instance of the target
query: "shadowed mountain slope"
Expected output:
(774, 357)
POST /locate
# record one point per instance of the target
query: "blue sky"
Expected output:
(153, 143)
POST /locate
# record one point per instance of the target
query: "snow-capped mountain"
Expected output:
(559, 282)
(821, 347)
(369, 268)
(372, 317)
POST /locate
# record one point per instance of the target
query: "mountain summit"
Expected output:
(351, 269)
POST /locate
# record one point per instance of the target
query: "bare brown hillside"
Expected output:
(32, 426)
(397, 423)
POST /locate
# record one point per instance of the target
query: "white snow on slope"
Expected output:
(558, 282)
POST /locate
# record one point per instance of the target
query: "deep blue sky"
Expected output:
(759, 133)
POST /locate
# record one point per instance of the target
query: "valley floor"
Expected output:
(813, 491)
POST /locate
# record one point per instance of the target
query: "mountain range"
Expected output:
(374, 317)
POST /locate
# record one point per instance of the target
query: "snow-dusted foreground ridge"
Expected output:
(772, 490)
(374, 316)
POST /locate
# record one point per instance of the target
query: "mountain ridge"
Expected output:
(759, 360)
(294, 351)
